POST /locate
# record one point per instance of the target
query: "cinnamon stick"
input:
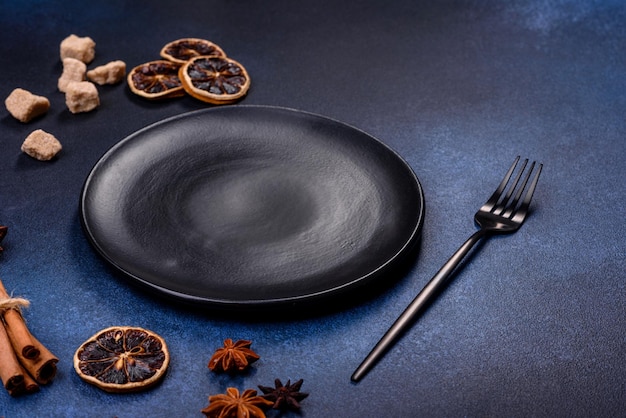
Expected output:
(33, 356)
(24, 361)
(11, 372)
(30, 386)
(18, 333)
(44, 367)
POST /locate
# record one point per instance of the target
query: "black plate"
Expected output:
(247, 206)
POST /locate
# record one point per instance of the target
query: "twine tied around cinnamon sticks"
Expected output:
(24, 362)
(13, 303)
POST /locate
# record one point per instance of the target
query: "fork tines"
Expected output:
(501, 204)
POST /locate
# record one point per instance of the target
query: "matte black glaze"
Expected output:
(251, 206)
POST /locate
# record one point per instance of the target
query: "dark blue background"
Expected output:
(534, 324)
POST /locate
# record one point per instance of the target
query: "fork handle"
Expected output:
(412, 311)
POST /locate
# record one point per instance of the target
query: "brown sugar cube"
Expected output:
(41, 145)
(81, 96)
(25, 106)
(73, 70)
(82, 49)
(111, 73)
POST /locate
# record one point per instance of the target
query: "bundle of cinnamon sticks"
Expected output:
(24, 362)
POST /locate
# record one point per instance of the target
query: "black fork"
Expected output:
(503, 213)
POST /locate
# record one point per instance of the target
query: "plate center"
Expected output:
(250, 207)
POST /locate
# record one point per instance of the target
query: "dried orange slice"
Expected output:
(156, 80)
(217, 80)
(182, 50)
(122, 359)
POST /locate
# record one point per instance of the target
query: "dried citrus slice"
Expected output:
(217, 80)
(122, 359)
(156, 80)
(182, 50)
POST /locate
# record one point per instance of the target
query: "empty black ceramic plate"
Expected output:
(246, 206)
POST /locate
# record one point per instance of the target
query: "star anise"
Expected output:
(233, 356)
(284, 397)
(3, 233)
(232, 405)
